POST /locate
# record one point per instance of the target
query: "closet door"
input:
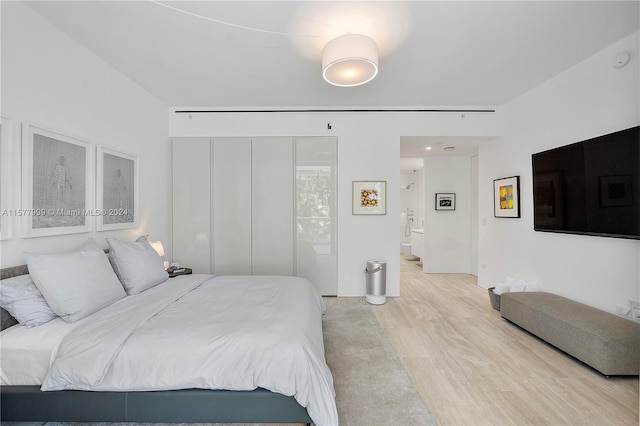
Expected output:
(231, 221)
(272, 206)
(192, 203)
(316, 212)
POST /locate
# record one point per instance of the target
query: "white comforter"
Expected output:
(198, 331)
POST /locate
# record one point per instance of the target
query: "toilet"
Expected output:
(405, 250)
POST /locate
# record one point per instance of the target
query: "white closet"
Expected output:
(261, 206)
(230, 207)
(192, 204)
(272, 207)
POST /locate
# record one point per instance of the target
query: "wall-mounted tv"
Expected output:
(590, 187)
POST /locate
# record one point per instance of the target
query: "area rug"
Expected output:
(372, 386)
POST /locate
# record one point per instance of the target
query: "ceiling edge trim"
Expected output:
(332, 110)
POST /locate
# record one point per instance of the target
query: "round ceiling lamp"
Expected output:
(350, 60)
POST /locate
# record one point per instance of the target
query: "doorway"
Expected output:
(447, 165)
(411, 206)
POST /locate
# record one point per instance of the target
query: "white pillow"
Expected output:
(22, 299)
(75, 284)
(138, 266)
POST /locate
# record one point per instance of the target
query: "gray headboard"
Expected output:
(13, 271)
(6, 320)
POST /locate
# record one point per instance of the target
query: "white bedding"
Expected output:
(25, 352)
(198, 331)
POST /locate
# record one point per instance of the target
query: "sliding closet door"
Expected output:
(231, 221)
(261, 206)
(316, 212)
(272, 206)
(192, 203)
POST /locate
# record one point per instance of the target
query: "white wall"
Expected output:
(447, 233)
(51, 81)
(368, 149)
(473, 199)
(588, 100)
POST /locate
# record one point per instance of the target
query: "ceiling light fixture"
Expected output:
(350, 60)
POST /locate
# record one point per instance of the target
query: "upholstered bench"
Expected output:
(606, 342)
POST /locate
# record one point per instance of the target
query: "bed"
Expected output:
(194, 348)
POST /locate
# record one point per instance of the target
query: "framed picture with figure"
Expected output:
(117, 190)
(56, 183)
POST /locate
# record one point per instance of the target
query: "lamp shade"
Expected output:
(350, 60)
(157, 246)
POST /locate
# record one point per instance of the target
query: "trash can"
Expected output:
(376, 273)
(494, 298)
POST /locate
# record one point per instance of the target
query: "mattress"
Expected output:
(25, 352)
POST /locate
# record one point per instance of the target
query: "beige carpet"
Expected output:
(372, 386)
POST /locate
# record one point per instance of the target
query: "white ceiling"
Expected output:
(432, 53)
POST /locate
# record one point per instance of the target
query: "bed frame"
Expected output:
(29, 403)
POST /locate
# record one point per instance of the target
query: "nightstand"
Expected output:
(180, 271)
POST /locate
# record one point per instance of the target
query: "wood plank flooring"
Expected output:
(471, 367)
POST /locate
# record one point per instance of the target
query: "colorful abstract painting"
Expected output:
(506, 197)
(506, 192)
(369, 197)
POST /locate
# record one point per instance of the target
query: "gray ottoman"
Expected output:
(606, 342)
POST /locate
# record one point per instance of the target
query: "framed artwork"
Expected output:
(445, 201)
(6, 151)
(506, 197)
(117, 190)
(56, 183)
(369, 197)
(615, 191)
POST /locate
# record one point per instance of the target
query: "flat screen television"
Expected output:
(590, 187)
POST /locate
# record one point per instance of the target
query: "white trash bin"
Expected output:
(376, 272)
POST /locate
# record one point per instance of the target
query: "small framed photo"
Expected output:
(445, 201)
(369, 197)
(506, 195)
(117, 190)
(56, 183)
(6, 179)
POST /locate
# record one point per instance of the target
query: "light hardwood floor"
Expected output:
(471, 367)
